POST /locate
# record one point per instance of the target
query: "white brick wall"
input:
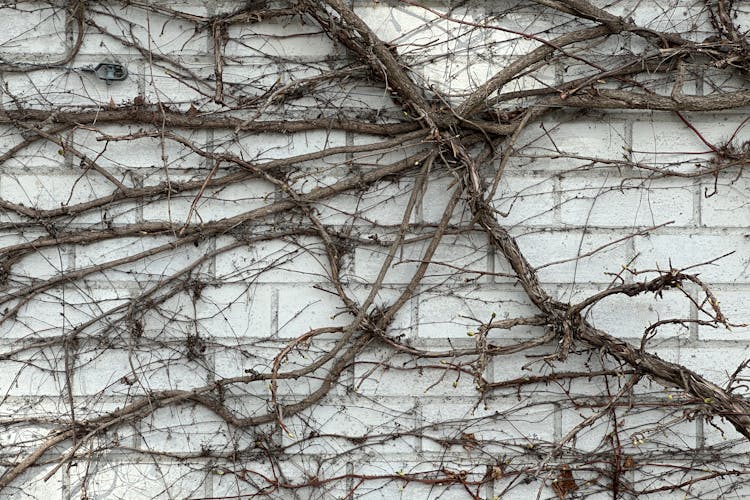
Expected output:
(579, 194)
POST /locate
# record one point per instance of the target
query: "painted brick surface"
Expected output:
(580, 225)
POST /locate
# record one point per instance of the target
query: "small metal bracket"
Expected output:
(108, 71)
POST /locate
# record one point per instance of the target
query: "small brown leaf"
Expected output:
(629, 463)
(497, 472)
(564, 483)
(469, 439)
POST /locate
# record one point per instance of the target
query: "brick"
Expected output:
(158, 153)
(60, 310)
(465, 72)
(39, 154)
(682, 250)
(138, 480)
(110, 372)
(339, 426)
(607, 202)
(529, 487)
(253, 76)
(296, 467)
(548, 145)
(703, 360)
(518, 365)
(148, 29)
(230, 311)
(370, 99)
(243, 359)
(543, 248)
(42, 317)
(489, 427)
(249, 78)
(261, 148)
(381, 373)
(302, 85)
(584, 387)
(178, 88)
(291, 390)
(173, 319)
(230, 479)
(459, 258)
(692, 473)
(614, 50)
(38, 372)
(507, 41)
(249, 479)
(541, 78)
(370, 260)
(478, 56)
(258, 298)
(456, 314)
(735, 307)
(166, 263)
(724, 203)
(403, 322)
(301, 311)
(391, 486)
(372, 159)
(453, 57)
(214, 203)
(660, 429)
(32, 27)
(384, 203)
(283, 38)
(638, 430)
(190, 429)
(403, 24)
(66, 87)
(47, 191)
(722, 435)
(674, 16)
(32, 485)
(235, 311)
(16, 438)
(42, 263)
(231, 360)
(275, 261)
(664, 83)
(526, 200)
(435, 199)
(717, 81)
(667, 144)
(629, 317)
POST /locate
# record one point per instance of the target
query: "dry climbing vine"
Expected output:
(282, 251)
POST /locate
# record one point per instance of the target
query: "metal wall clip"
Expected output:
(108, 71)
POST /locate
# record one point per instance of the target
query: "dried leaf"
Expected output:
(564, 483)
(497, 472)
